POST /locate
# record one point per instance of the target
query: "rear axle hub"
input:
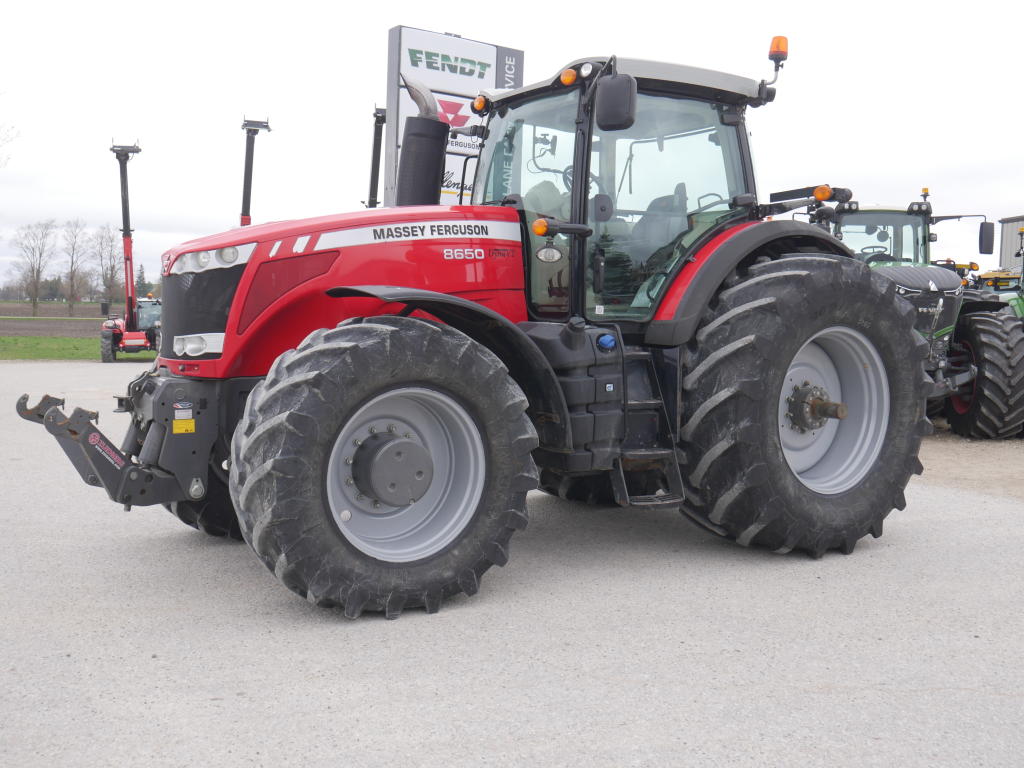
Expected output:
(810, 408)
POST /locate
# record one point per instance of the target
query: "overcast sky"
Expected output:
(884, 98)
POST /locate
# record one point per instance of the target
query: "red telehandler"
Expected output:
(367, 398)
(138, 330)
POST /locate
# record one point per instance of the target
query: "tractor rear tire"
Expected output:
(354, 421)
(214, 514)
(108, 350)
(995, 408)
(764, 465)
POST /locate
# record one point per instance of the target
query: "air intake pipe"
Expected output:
(421, 164)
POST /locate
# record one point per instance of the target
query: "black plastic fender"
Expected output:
(775, 238)
(524, 360)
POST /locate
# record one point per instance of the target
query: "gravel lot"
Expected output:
(613, 637)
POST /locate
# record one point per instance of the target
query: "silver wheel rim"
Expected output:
(440, 426)
(835, 457)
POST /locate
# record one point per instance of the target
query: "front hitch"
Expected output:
(97, 460)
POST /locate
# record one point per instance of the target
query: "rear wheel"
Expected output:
(383, 465)
(994, 406)
(108, 349)
(803, 410)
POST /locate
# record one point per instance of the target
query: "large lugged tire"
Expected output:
(995, 408)
(784, 338)
(214, 514)
(108, 350)
(383, 465)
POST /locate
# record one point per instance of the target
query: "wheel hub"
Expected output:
(392, 470)
(810, 408)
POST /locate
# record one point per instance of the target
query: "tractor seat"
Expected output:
(664, 219)
(547, 200)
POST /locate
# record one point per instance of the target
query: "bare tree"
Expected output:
(74, 238)
(106, 255)
(7, 135)
(35, 246)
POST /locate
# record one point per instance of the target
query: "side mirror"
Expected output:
(986, 237)
(615, 102)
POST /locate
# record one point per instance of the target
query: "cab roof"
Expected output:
(643, 69)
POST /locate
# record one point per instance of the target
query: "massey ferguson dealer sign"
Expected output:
(456, 70)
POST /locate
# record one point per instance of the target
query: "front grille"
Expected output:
(197, 302)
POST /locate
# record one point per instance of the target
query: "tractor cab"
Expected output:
(886, 236)
(665, 167)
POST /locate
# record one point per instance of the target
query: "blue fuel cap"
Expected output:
(606, 342)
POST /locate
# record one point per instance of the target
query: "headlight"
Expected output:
(222, 258)
(194, 345)
(197, 344)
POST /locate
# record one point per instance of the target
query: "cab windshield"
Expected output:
(884, 236)
(653, 191)
(148, 314)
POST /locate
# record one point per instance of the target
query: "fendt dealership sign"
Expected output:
(455, 70)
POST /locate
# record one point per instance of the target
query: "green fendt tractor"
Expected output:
(976, 346)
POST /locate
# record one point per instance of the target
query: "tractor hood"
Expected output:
(277, 231)
(922, 278)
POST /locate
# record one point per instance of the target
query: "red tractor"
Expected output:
(139, 329)
(367, 398)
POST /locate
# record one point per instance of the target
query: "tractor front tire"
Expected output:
(383, 465)
(214, 514)
(779, 345)
(994, 409)
(108, 349)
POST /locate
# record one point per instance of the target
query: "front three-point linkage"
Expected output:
(97, 460)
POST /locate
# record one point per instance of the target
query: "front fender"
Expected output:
(524, 360)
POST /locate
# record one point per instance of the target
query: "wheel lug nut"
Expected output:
(407, 435)
(376, 505)
(392, 428)
(348, 460)
(373, 430)
(349, 481)
(357, 442)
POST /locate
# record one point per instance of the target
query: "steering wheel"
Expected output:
(876, 253)
(567, 180)
(873, 249)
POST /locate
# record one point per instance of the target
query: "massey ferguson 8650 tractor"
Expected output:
(368, 397)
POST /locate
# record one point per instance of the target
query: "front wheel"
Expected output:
(383, 465)
(108, 348)
(803, 406)
(993, 406)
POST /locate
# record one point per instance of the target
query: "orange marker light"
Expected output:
(480, 104)
(779, 51)
(540, 227)
(974, 266)
(568, 76)
(822, 193)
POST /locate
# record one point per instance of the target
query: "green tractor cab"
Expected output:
(975, 344)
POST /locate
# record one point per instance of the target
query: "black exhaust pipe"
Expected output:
(421, 165)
